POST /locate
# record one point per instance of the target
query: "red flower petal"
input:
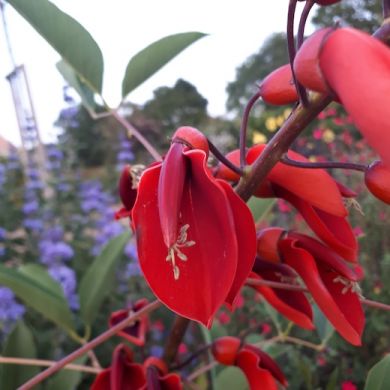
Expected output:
(333, 230)
(127, 193)
(292, 304)
(201, 287)
(246, 240)
(326, 292)
(315, 186)
(357, 67)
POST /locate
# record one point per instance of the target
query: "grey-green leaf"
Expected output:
(379, 376)
(67, 36)
(37, 292)
(19, 344)
(85, 92)
(324, 328)
(260, 207)
(98, 279)
(231, 378)
(149, 60)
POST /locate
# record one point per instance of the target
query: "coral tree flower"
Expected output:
(135, 332)
(196, 238)
(127, 192)
(313, 192)
(331, 282)
(124, 374)
(259, 368)
(355, 67)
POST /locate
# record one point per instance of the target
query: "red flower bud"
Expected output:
(377, 178)
(225, 350)
(278, 87)
(191, 137)
(267, 244)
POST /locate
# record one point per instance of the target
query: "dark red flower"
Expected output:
(189, 227)
(127, 192)
(355, 67)
(123, 374)
(331, 282)
(259, 368)
(158, 378)
(135, 332)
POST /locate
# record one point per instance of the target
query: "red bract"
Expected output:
(356, 67)
(191, 230)
(157, 376)
(127, 192)
(330, 281)
(292, 304)
(377, 179)
(278, 87)
(123, 374)
(259, 368)
(135, 332)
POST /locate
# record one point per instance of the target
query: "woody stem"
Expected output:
(178, 330)
(322, 165)
(279, 145)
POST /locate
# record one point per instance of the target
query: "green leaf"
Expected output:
(332, 383)
(260, 207)
(149, 60)
(67, 36)
(231, 378)
(98, 279)
(207, 337)
(37, 292)
(19, 344)
(324, 328)
(66, 379)
(84, 91)
(379, 376)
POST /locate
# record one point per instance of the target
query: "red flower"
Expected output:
(259, 368)
(377, 179)
(123, 374)
(127, 192)
(135, 333)
(355, 67)
(190, 227)
(331, 282)
(313, 192)
(292, 304)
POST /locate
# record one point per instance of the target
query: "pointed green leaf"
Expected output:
(84, 91)
(332, 383)
(66, 379)
(67, 36)
(98, 279)
(19, 344)
(149, 60)
(231, 378)
(260, 207)
(379, 376)
(324, 328)
(37, 292)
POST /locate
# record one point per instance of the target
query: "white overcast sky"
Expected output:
(123, 27)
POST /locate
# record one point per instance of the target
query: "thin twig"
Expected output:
(47, 363)
(90, 345)
(293, 340)
(244, 127)
(178, 331)
(194, 355)
(202, 370)
(132, 130)
(323, 164)
(216, 152)
(302, 22)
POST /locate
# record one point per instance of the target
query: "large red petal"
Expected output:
(357, 67)
(207, 274)
(315, 186)
(246, 240)
(292, 304)
(331, 305)
(333, 230)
